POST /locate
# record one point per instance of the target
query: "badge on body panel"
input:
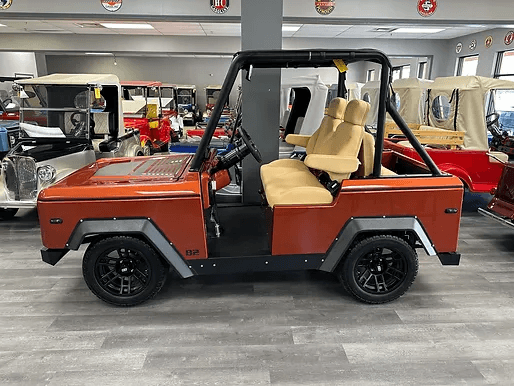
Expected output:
(427, 8)
(509, 38)
(219, 6)
(4, 4)
(324, 7)
(111, 5)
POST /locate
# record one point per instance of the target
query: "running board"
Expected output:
(502, 220)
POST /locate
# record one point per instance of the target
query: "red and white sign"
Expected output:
(488, 41)
(509, 38)
(427, 8)
(219, 6)
(112, 5)
(324, 7)
(4, 4)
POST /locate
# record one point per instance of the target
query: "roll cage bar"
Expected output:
(245, 60)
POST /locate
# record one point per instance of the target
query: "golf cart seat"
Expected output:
(276, 169)
(367, 156)
(336, 153)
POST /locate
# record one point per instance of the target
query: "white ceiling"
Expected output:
(234, 29)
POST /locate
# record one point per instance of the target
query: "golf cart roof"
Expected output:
(168, 85)
(187, 86)
(246, 60)
(72, 79)
(470, 83)
(14, 78)
(140, 83)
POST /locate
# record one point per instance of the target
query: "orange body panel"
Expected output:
(312, 229)
(222, 178)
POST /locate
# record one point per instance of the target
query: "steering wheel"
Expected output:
(7, 101)
(79, 125)
(492, 123)
(251, 146)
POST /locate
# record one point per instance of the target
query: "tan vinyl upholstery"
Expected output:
(335, 153)
(367, 157)
(278, 168)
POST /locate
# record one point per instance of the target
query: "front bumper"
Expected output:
(490, 214)
(52, 256)
(18, 204)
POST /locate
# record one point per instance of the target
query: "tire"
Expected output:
(8, 213)
(113, 265)
(147, 149)
(379, 269)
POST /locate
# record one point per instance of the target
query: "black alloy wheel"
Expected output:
(123, 271)
(379, 269)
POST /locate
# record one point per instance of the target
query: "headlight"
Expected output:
(46, 173)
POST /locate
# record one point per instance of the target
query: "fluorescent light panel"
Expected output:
(127, 25)
(99, 53)
(418, 30)
(290, 28)
(3, 25)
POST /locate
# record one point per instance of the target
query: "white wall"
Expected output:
(17, 62)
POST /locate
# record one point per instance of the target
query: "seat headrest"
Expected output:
(337, 107)
(356, 112)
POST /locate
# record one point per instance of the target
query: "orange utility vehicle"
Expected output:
(350, 207)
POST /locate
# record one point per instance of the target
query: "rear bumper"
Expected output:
(52, 256)
(490, 214)
(449, 258)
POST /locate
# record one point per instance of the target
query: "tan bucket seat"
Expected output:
(335, 153)
(367, 156)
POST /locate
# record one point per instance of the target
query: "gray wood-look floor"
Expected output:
(455, 325)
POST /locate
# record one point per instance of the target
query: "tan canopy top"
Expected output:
(72, 79)
(412, 94)
(465, 97)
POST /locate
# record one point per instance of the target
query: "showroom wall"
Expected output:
(487, 58)
(17, 62)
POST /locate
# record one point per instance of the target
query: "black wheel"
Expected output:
(147, 149)
(8, 213)
(379, 269)
(123, 271)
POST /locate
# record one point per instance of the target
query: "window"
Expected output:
(370, 75)
(505, 65)
(467, 65)
(422, 70)
(401, 72)
(441, 108)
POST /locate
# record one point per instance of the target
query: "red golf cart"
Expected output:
(350, 207)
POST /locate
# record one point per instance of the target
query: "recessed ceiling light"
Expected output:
(290, 28)
(3, 25)
(418, 30)
(99, 53)
(384, 29)
(127, 25)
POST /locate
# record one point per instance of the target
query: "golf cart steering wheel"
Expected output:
(250, 144)
(7, 101)
(491, 121)
(79, 125)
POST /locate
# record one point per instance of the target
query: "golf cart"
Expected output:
(350, 208)
(188, 105)
(459, 113)
(142, 110)
(66, 122)
(501, 207)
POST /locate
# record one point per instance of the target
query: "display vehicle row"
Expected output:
(350, 207)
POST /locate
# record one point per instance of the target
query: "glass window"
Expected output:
(422, 70)
(401, 72)
(467, 65)
(370, 75)
(505, 65)
(441, 108)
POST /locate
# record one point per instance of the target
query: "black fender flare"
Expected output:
(138, 226)
(355, 226)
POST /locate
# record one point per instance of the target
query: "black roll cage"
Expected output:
(316, 58)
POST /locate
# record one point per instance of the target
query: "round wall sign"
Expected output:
(458, 48)
(427, 8)
(473, 45)
(4, 4)
(111, 5)
(219, 6)
(324, 7)
(509, 38)
(488, 41)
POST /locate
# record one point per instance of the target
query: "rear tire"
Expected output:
(147, 149)
(8, 213)
(123, 271)
(379, 269)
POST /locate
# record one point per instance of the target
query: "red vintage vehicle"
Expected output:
(501, 207)
(458, 115)
(143, 110)
(349, 208)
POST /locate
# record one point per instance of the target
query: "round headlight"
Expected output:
(46, 173)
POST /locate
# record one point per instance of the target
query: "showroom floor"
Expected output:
(453, 327)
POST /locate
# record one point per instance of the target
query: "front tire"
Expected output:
(147, 149)
(379, 269)
(8, 213)
(123, 271)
